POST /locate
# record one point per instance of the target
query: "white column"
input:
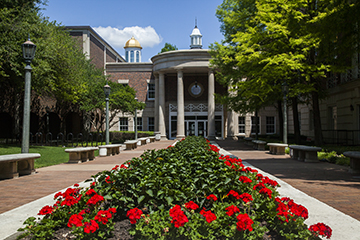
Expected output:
(162, 127)
(180, 106)
(211, 106)
(230, 124)
(156, 104)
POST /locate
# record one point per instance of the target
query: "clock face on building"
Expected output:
(196, 90)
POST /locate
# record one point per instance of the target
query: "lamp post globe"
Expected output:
(28, 49)
(107, 89)
(285, 90)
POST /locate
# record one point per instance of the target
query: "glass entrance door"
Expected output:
(195, 127)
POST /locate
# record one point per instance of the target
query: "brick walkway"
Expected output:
(329, 183)
(48, 180)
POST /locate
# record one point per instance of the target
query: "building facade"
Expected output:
(178, 88)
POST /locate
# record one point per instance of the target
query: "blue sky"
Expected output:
(152, 22)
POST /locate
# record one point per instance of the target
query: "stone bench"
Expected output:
(131, 144)
(258, 144)
(248, 140)
(151, 139)
(277, 148)
(82, 154)
(354, 161)
(304, 153)
(141, 141)
(108, 150)
(14, 165)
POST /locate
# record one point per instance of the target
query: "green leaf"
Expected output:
(140, 199)
(150, 192)
(169, 200)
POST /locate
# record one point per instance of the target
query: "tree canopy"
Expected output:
(269, 42)
(168, 47)
(60, 69)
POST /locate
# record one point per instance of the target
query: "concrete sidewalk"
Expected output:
(319, 183)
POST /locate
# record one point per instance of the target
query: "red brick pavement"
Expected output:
(329, 183)
(48, 180)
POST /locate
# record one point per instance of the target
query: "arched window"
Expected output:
(132, 56)
(127, 56)
(137, 56)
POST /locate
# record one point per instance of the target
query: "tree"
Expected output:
(121, 99)
(61, 71)
(268, 42)
(168, 47)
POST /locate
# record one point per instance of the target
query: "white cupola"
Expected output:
(132, 50)
(196, 41)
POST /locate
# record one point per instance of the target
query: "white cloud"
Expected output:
(117, 38)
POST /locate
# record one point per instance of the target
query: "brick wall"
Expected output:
(110, 57)
(96, 52)
(78, 38)
(137, 80)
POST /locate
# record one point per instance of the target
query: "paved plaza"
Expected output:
(329, 191)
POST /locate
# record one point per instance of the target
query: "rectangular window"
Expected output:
(253, 124)
(139, 124)
(242, 125)
(123, 124)
(270, 125)
(151, 91)
(151, 124)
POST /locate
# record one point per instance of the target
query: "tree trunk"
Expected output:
(296, 120)
(281, 120)
(317, 119)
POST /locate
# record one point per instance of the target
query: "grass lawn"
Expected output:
(49, 155)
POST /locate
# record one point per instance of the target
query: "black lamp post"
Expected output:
(136, 134)
(28, 49)
(107, 89)
(285, 90)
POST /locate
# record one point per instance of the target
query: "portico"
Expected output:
(185, 71)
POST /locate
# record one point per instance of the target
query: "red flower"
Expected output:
(91, 226)
(134, 214)
(191, 205)
(107, 179)
(231, 210)
(214, 148)
(246, 197)
(75, 220)
(90, 192)
(76, 185)
(212, 197)
(123, 166)
(267, 191)
(178, 216)
(46, 210)
(95, 199)
(209, 216)
(321, 229)
(244, 222)
(115, 168)
(235, 194)
(245, 179)
(59, 194)
(103, 216)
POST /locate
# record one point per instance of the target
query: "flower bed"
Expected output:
(183, 192)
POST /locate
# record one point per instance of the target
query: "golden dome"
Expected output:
(132, 43)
